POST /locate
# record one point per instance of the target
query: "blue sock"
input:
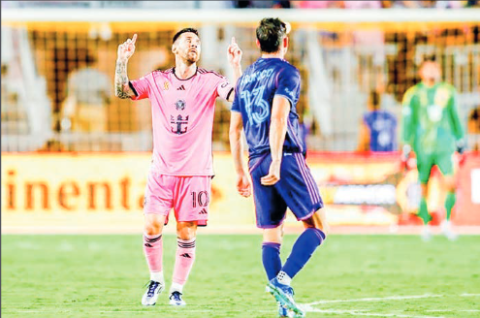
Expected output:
(302, 250)
(271, 259)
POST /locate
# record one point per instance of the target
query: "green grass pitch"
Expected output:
(350, 276)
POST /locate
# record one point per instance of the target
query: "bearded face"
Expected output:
(188, 47)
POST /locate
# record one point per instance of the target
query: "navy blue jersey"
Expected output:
(254, 95)
(382, 126)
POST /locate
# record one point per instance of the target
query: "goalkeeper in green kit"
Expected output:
(432, 129)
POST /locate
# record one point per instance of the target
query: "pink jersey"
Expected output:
(182, 119)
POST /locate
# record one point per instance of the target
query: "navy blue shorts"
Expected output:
(296, 190)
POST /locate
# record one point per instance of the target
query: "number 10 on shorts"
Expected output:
(201, 198)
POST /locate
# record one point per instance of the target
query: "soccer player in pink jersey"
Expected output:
(183, 102)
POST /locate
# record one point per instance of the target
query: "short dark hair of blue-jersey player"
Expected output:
(265, 108)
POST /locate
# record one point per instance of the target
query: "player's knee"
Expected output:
(450, 186)
(153, 225)
(424, 189)
(449, 183)
(274, 235)
(186, 230)
(186, 234)
(153, 229)
(317, 221)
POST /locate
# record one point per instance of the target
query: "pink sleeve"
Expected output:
(224, 88)
(140, 88)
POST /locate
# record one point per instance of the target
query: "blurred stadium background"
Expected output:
(75, 158)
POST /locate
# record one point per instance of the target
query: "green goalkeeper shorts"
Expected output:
(425, 162)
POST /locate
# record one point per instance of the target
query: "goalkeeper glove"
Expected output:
(461, 146)
(407, 161)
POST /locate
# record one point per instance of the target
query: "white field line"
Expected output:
(470, 295)
(369, 314)
(332, 301)
(453, 310)
(122, 311)
(327, 311)
(99, 311)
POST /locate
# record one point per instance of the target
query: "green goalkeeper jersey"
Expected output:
(430, 119)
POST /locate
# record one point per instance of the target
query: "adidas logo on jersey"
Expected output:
(181, 88)
(203, 212)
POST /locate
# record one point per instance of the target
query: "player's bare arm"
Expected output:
(234, 54)
(364, 138)
(244, 187)
(278, 130)
(125, 51)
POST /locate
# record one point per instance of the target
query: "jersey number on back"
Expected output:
(257, 108)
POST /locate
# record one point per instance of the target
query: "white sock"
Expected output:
(283, 278)
(176, 288)
(157, 277)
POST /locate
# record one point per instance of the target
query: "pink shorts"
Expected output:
(188, 196)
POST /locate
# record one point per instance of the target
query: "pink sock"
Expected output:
(184, 261)
(153, 249)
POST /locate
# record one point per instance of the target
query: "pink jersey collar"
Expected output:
(196, 71)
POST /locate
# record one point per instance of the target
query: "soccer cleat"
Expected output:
(284, 295)
(282, 311)
(426, 233)
(176, 299)
(151, 295)
(446, 227)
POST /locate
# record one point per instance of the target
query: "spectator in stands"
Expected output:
(474, 129)
(473, 3)
(282, 5)
(387, 4)
(451, 4)
(88, 96)
(319, 4)
(377, 128)
(362, 4)
(441, 4)
(411, 4)
(262, 4)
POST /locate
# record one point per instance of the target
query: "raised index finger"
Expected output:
(134, 39)
(233, 40)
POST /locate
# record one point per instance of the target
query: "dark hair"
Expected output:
(375, 98)
(177, 35)
(270, 34)
(429, 59)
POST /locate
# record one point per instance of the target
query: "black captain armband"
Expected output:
(132, 88)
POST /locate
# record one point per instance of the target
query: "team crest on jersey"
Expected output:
(180, 104)
(435, 113)
(179, 124)
(166, 86)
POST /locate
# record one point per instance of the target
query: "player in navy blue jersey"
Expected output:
(265, 108)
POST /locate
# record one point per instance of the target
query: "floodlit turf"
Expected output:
(352, 276)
